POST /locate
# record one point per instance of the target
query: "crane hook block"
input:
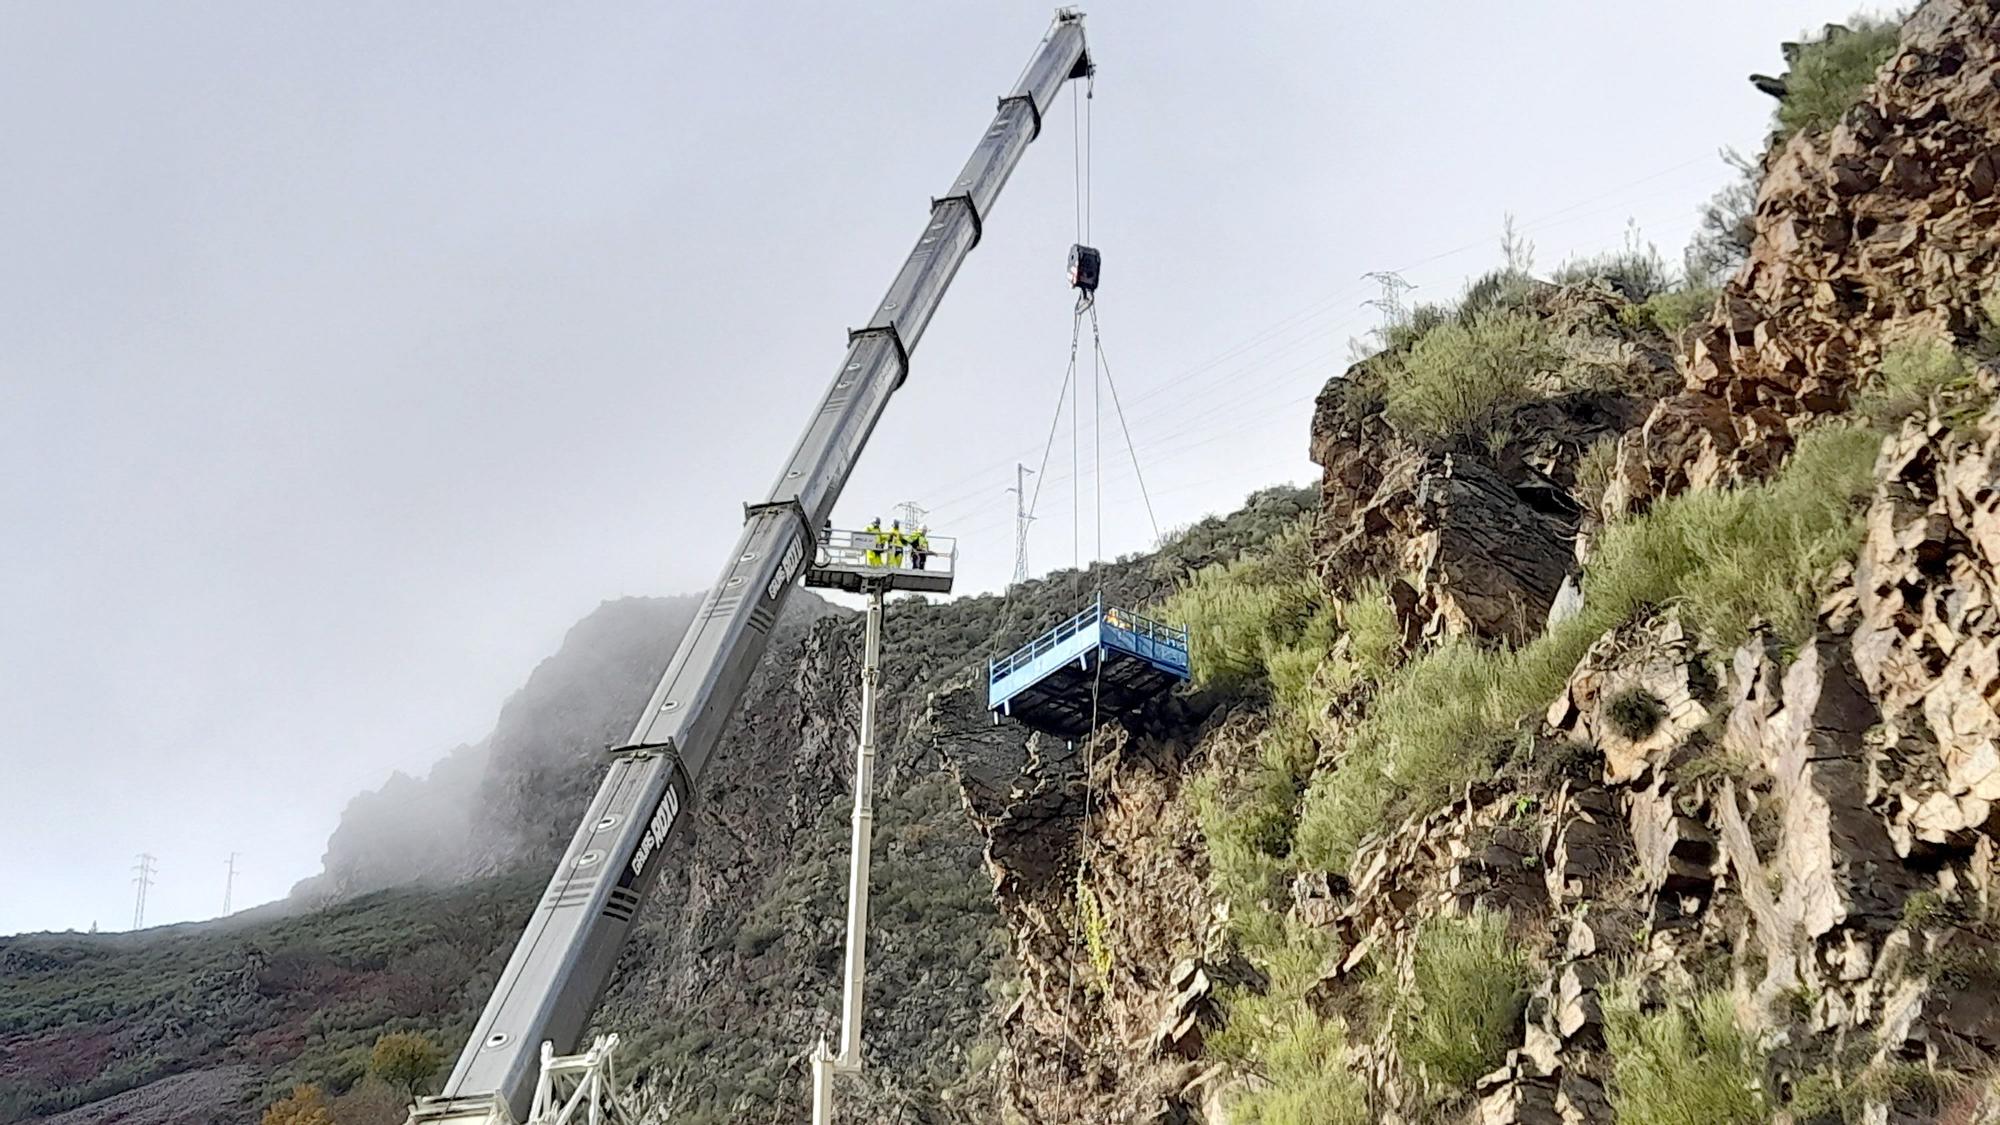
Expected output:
(1083, 266)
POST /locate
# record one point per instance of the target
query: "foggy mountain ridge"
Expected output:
(472, 814)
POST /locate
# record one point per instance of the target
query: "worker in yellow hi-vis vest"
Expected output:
(878, 543)
(897, 541)
(920, 548)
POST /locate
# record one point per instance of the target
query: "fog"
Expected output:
(349, 354)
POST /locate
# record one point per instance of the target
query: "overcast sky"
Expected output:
(349, 354)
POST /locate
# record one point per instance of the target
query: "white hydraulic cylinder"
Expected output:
(855, 968)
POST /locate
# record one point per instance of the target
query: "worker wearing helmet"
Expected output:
(878, 544)
(897, 540)
(920, 547)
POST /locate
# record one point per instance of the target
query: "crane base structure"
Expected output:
(580, 1089)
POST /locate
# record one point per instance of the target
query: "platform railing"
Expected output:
(849, 550)
(1138, 624)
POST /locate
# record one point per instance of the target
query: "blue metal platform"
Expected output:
(1046, 683)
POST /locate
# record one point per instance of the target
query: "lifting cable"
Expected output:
(1086, 302)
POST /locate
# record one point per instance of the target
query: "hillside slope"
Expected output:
(1616, 742)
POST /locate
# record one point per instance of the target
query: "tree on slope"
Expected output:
(306, 1105)
(405, 1059)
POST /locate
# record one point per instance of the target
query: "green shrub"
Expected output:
(1096, 930)
(1374, 636)
(1638, 273)
(1729, 559)
(1259, 624)
(1683, 1064)
(1674, 311)
(1915, 374)
(1248, 832)
(1403, 332)
(1635, 712)
(1721, 243)
(1458, 378)
(1594, 470)
(1463, 1008)
(1831, 73)
(1276, 1034)
(1923, 910)
(1500, 289)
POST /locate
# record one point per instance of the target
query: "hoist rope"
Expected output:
(1097, 344)
(1062, 395)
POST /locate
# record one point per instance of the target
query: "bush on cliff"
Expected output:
(1831, 72)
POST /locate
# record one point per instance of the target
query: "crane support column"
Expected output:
(566, 954)
(860, 845)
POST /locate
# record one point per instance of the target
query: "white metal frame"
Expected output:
(579, 1089)
(854, 973)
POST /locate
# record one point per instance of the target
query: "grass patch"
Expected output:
(1458, 377)
(1594, 471)
(1730, 559)
(1832, 72)
(1248, 829)
(1840, 1094)
(1916, 374)
(1275, 1034)
(1463, 1009)
(1304, 1059)
(1374, 636)
(1685, 1063)
(1674, 312)
(1259, 624)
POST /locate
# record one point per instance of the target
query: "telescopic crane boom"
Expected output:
(562, 961)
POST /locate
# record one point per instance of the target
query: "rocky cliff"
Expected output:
(1631, 754)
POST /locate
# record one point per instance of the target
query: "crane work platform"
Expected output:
(848, 560)
(1127, 657)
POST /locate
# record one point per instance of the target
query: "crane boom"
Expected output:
(564, 958)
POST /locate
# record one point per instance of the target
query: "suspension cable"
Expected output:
(1062, 395)
(1097, 345)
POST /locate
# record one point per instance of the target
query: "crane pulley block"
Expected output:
(1083, 266)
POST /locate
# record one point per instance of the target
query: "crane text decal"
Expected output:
(795, 557)
(656, 831)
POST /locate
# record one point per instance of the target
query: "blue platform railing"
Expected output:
(1155, 641)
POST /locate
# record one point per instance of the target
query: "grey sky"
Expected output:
(349, 355)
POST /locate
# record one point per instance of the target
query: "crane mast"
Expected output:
(565, 956)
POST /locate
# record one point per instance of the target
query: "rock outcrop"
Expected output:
(1882, 225)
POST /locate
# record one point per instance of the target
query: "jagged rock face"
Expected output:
(1487, 536)
(1888, 221)
(1099, 871)
(1927, 642)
